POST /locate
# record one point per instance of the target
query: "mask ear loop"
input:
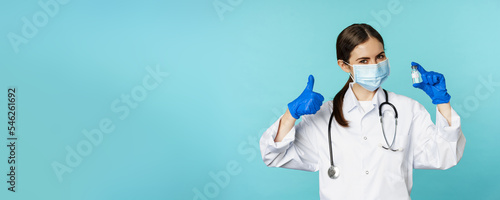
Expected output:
(350, 74)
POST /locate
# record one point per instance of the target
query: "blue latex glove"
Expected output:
(433, 84)
(308, 102)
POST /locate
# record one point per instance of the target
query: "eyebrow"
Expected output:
(367, 58)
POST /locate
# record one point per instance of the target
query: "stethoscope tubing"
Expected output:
(333, 170)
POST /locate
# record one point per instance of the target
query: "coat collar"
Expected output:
(351, 102)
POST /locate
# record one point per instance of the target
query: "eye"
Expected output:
(381, 56)
(363, 61)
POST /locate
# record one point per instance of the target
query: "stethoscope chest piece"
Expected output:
(333, 172)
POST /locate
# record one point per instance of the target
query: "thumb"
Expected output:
(310, 83)
(418, 85)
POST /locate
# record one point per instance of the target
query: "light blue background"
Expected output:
(230, 78)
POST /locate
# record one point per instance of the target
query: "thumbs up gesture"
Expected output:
(308, 102)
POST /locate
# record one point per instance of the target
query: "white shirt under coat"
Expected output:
(367, 171)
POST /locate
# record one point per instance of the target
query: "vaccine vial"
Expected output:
(415, 75)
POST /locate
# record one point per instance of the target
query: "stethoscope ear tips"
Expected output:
(393, 150)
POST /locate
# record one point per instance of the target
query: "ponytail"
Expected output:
(338, 102)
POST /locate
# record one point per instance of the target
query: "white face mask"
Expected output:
(371, 76)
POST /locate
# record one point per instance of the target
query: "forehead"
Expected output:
(372, 47)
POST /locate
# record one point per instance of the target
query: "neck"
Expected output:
(362, 94)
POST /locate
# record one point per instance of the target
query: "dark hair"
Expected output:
(347, 40)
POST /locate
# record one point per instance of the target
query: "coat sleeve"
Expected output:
(297, 150)
(436, 146)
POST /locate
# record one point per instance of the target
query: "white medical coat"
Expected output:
(367, 171)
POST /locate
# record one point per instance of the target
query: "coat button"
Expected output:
(367, 172)
(365, 138)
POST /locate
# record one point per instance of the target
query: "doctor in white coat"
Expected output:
(372, 160)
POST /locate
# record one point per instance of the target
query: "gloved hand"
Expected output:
(308, 102)
(433, 84)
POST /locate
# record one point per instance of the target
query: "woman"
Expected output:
(368, 160)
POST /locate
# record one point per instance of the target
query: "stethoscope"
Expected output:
(333, 171)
